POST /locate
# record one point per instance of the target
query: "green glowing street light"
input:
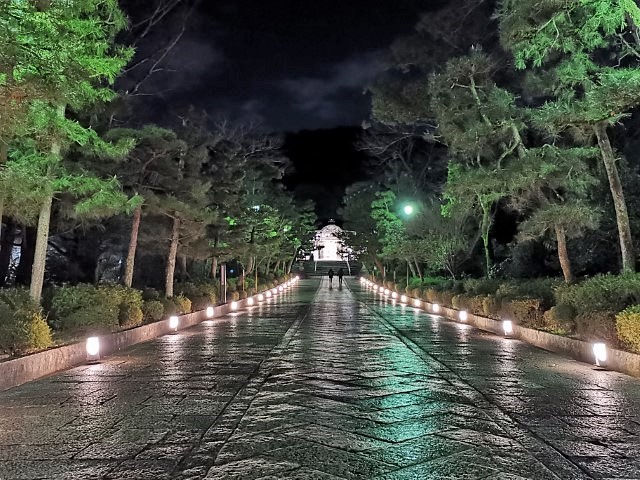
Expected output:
(408, 209)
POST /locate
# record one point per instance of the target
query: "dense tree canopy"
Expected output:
(520, 102)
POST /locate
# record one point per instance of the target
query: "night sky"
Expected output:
(286, 66)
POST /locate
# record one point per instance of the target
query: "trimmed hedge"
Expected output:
(560, 319)
(611, 293)
(106, 306)
(23, 328)
(183, 303)
(152, 311)
(473, 304)
(628, 328)
(597, 326)
(491, 306)
(84, 306)
(481, 286)
(527, 312)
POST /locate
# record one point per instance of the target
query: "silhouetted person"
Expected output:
(331, 277)
(340, 275)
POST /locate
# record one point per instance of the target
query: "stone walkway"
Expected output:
(325, 384)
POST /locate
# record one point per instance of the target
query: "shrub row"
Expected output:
(82, 308)
(602, 307)
(23, 327)
(86, 306)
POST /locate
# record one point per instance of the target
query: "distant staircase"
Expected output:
(321, 268)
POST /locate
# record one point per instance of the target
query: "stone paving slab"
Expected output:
(325, 384)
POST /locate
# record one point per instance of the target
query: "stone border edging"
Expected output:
(31, 367)
(617, 360)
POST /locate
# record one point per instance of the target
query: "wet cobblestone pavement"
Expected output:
(325, 384)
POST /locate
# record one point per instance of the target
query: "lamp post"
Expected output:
(408, 211)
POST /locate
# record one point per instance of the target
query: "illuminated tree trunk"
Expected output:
(214, 267)
(418, 269)
(378, 264)
(293, 259)
(40, 255)
(411, 267)
(44, 219)
(133, 244)
(183, 267)
(615, 185)
(171, 259)
(485, 226)
(563, 254)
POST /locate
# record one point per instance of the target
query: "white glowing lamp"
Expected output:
(260, 297)
(234, 305)
(507, 326)
(209, 312)
(435, 307)
(93, 348)
(268, 294)
(250, 301)
(274, 291)
(416, 303)
(173, 322)
(463, 315)
(394, 295)
(600, 352)
(297, 278)
(403, 299)
(386, 291)
(281, 288)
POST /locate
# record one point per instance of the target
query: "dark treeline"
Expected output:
(88, 189)
(511, 128)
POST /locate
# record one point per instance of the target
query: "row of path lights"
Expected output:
(599, 349)
(93, 343)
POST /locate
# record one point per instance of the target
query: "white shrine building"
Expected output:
(328, 245)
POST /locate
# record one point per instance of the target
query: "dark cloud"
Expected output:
(323, 96)
(189, 65)
(287, 64)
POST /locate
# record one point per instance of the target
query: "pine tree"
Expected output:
(63, 55)
(480, 124)
(143, 171)
(588, 54)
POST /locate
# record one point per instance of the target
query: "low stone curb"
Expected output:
(617, 360)
(31, 367)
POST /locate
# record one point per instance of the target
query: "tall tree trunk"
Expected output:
(214, 267)
(6, 248)
(133, 244)
(563, 254)
(27, 248)
(293, 259)
(411, 267)
(615, 185)
(485, 228)
(40, 254)
(380, 266)
(275, 269)
(44, 219)
(183, 268)
(418, 269)
(171, 258)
